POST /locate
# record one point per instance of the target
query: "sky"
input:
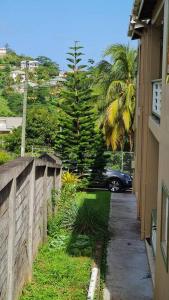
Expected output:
(49, 27)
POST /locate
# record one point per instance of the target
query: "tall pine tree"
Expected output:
(76, 138)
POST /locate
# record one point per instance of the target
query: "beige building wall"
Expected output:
(146, 144)
(152, 135)
(162, 275)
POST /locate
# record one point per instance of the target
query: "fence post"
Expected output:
(31, 218)
(58, 180)
(45, 204)
(11, 240)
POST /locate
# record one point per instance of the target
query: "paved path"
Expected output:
(128, 276)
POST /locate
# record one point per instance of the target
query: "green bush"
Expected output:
(64, 204)
(5, 157)
(83, 184)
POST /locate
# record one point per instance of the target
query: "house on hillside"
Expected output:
(56, 80)
(3, 52)
(149, 24)
(7, 124)
(18, 74)
(31, 64)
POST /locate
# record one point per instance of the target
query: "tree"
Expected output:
(76, 138)
(42, 127)
(4, 109)
(47, 68)
(13, 141)
(14, 101)
(41, 130)
(116, 82)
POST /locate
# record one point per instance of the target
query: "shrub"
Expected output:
(83, 184)
(83, 220)
(5, 157)
(70, 178)
(76, 244)
(54, 197)
(64, 203)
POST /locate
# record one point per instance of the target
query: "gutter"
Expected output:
(140, 8)
(136, 7)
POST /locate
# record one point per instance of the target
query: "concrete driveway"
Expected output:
(128, 275)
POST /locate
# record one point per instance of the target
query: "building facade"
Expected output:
(149, 24)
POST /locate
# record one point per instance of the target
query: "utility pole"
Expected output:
(24, 111)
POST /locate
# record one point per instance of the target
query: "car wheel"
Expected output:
(114, 185)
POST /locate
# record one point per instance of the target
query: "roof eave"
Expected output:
(142, 11)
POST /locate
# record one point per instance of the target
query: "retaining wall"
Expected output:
(25, 202)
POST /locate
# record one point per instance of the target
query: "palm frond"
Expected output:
(114, 139)
(130, 95)
(115, 88)
(126, 119)
(112, 112)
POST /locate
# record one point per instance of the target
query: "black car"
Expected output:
(113, 180)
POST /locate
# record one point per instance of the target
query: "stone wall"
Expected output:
(25, 202)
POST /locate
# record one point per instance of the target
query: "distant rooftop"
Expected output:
(7, 124)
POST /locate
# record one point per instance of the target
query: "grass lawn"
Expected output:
(62, 268)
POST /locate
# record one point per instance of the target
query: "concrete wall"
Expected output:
(25, 202)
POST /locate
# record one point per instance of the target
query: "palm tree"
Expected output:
(117, 80)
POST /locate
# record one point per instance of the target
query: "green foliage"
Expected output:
(42, 126)
(67, 197)
(5, 157)
(46, 69)
(15, 101)
(77, 245)
(83, 220)
(101, 156)
(81, 245)
(4, 108)
(83, 184)
(54, 197)
(13, 141)
(119, 160)
(12, 59)
(41, 131)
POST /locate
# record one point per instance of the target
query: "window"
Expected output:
(164, 224)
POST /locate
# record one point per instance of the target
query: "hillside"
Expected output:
(12, 77)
